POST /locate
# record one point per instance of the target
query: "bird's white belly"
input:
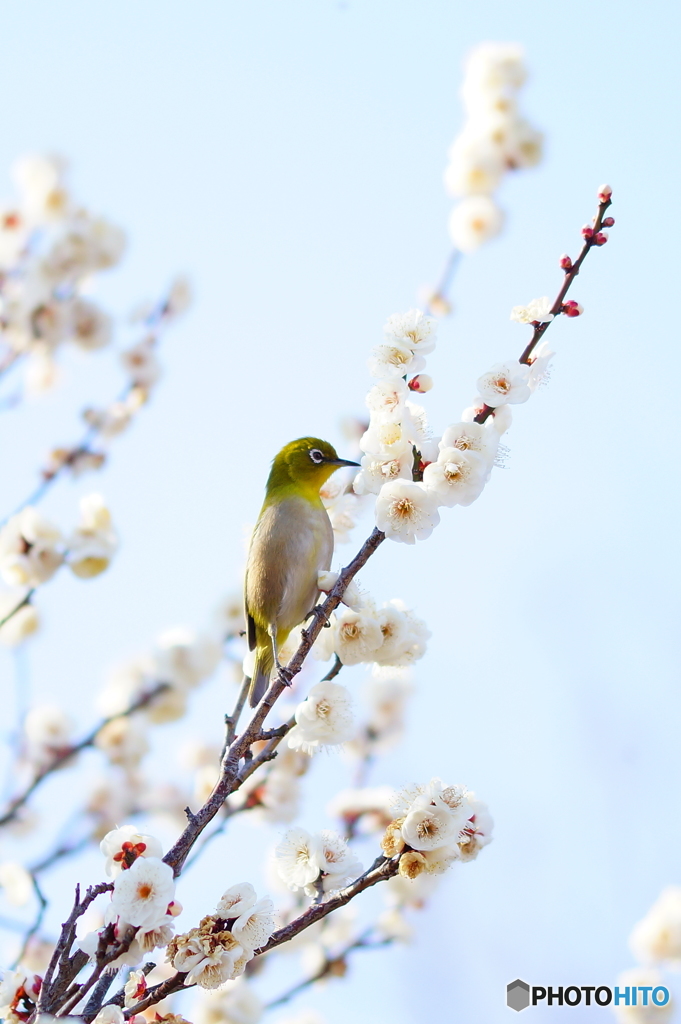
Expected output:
(298, 539)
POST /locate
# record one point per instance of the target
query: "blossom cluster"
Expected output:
(435, 825)
(495, 139)
(317, 863)
(413, 473)
(224, 942)
(656, 944)
(140, 916)
(50, 247)
(32, 549)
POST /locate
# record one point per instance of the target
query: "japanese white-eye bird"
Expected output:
(292, 542)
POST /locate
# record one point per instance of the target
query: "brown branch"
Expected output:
(540, 329)
(333, 671)
(66, 755)
(68, 966)
(381, 870)
(230, 776)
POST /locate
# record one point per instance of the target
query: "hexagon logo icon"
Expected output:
(518, 995)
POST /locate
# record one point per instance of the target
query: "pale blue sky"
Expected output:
(289, 157)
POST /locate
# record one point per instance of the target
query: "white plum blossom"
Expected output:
(22, 623)
(297, 858)
(505, 382)
(436, 816)
(381, 469)
(48, 731)
(495, 139)
(457, 478)
(337, 862)
(656, 939)
(324, 719)
(386, 439)
(302, 858)
(94, 542)
(404, 635)
(237, 900)
(142, 893)
(185, 657)
(91, 326)
(16, 883)
(213, 968)
(502, 418)
(356, 636)
(123, 741)
(386, 399)
(255, 925)
(536, 311)
(539, 365)
(493, 68)
(395, 360)
(234, 1003)
(406, 511)
(479, 438)
(477, 832)
(141, 364)
(413, 329)
(31, 549)
(474, 221)
(122, 846)
(427, 827)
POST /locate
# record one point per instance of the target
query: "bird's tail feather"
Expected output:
(262, 670)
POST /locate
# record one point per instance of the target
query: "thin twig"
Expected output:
(332, 965)
(25, 600)
(540, 329)
(333, 671)
(231, 721)
(68, 967)
(66, 755)
(35, 927)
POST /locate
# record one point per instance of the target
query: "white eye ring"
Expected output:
(316, 456)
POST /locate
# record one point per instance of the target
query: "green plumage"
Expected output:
(292, 542)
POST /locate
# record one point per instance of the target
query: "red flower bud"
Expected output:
(572, 308)
(601, 238)
(587, 231)
(604, 194)
(566, 262)
(422, 383)
(608, 222)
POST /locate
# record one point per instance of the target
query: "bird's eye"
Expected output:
(316, 455)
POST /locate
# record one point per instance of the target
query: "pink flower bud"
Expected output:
(608, 222)
(601, 238)
(604, 193)
(174, 908)
(566, 262)
(572, 308)
(587, 231)
(422, 382)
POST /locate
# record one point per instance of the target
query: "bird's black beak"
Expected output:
(341, 462)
